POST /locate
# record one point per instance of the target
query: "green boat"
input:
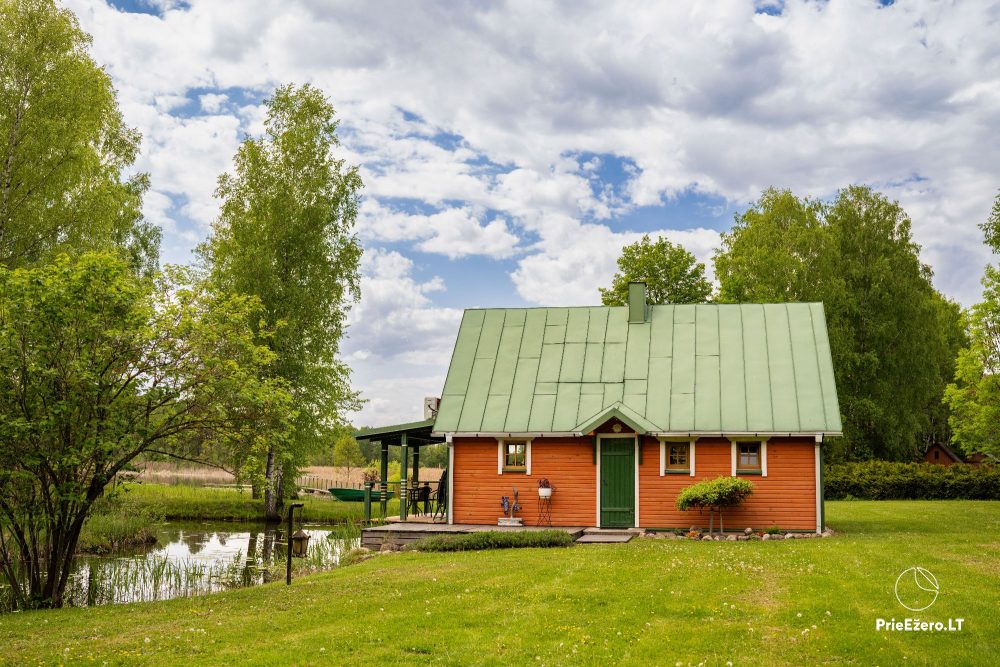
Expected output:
(356, 495)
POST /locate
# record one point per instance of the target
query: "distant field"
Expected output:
(649, 602)
(167, 472)
(199, 503)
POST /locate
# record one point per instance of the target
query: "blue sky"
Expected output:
(509, 150)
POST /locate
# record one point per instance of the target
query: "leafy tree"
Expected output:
(671, 274)
(715, 495)
(347, 453)
(772, 254)
(893, 337)
(991, 228)
(285, 235)
(98, 366)
(63, 145)
(974, 397)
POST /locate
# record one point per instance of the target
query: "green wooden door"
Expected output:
(617, 483)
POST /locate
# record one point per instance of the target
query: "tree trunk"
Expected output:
(279, 486)
(270, 509)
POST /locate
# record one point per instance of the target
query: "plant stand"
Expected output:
(545, 511)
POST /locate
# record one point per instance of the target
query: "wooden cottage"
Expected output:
(620, 408)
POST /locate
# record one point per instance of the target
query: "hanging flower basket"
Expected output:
(544, 489)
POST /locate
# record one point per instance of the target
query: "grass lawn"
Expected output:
(184, 503)
(657, 602)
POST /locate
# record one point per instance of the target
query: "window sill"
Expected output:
(749, 472)
(515, 471)
(677, 471)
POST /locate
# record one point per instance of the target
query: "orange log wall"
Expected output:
(786, 497)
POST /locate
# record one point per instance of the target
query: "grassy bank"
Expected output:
(200, 503)
(646, 602)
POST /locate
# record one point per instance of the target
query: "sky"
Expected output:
(510, 149)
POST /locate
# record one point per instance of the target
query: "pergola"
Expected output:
(413, 435)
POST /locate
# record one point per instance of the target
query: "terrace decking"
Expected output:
(401, 534)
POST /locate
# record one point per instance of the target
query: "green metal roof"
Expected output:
(715, 368)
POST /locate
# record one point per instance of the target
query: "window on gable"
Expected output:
(748, 457)
(515, 457)
(677, 457)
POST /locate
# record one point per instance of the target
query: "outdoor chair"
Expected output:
(441, 496)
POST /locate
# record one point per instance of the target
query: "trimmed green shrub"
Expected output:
(494, 539)
(715, 493)
(890, 480)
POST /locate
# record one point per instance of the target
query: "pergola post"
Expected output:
(383, 478)
(404, 460)
(416, 467)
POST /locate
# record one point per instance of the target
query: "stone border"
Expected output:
(748, 535)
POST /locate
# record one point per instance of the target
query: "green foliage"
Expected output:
(347, 452)
(671, 274)
(285, 235)
(721, 492)
(64, 147)
(991, 228)
(974, 396)
(891, 480)
(494, 539)
(118, 522)
(893, 337)
(98, 366)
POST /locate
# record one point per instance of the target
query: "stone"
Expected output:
(827, 533)
(706, 538)
(766, 536)
(667, 535)
(747, 531)
(789, 536)
(754, 536)
(731, 538)
(387, 547)
(742, 538)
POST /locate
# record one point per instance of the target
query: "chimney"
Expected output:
(636, 302)
(431, 406)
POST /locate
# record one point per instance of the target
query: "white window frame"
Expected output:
(666, 442)
(501, 447)
(735, 442)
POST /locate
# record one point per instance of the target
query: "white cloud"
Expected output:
(398, 341)
(453, 232)
(212, 102)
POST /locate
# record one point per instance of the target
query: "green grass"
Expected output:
(647, 602)
(201, 503)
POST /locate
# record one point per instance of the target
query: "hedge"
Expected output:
(494, 539)
(888, 480)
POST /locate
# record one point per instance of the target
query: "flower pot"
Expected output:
(545, 492)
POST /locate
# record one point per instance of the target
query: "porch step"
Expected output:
(615, 531)
(615, 537)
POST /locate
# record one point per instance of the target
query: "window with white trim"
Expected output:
(514, 456)
(750, 457)
(677, 457)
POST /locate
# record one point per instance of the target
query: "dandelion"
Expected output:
(799, 615)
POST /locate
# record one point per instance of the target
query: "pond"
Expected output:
(198, 558)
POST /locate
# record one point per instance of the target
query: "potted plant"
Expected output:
(544, 488)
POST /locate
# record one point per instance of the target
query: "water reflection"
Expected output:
(193, 559)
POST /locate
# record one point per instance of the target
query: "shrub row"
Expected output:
(494, 539)
(888, 480)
